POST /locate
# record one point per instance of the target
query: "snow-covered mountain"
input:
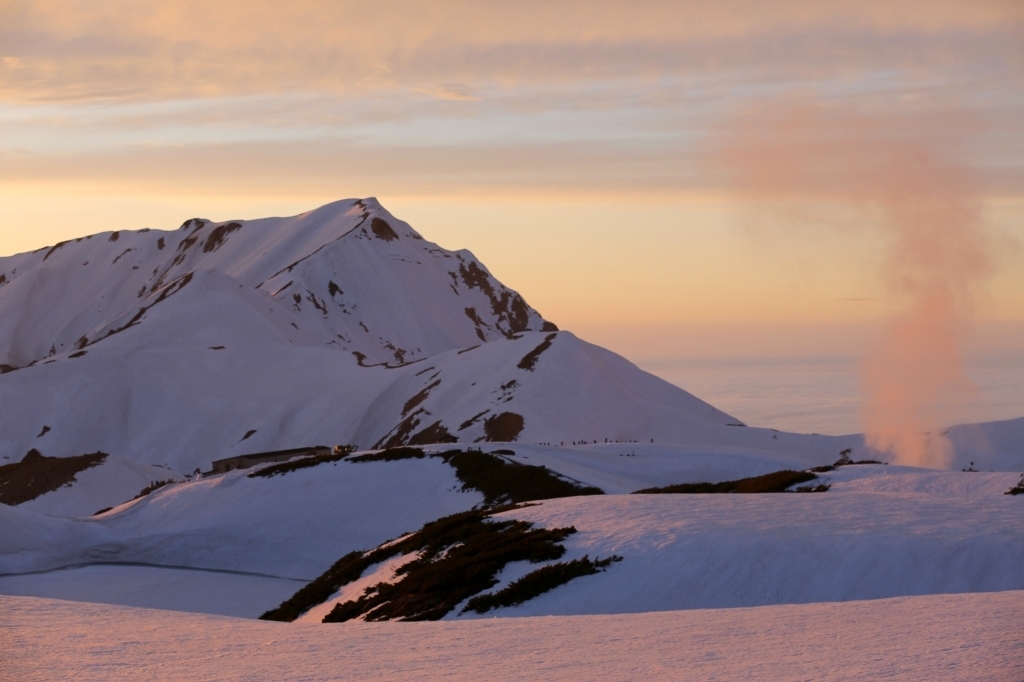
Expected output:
(172, 349)
(342, 325)
(348, 275)
(147, 355)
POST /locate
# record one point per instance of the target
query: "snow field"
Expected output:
(718, 551)
(157, 587)
(947, 637)
(290, 526)
(113, 482)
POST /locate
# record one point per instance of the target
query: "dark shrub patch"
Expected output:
(50, 252)
(345, 570)
(78, 354)
(350, 567)
(530, 359)
(475, 277)
(391, 455)
(460, 556)
(1017, 489)
(820, 488)
(414, 401)
(103, 511)
(499, 480)
(169, 290)
(537, 583)
(775, 482)
(472, 420)
(400, 434)
(507, 307)
(842, 462)
(299, 463)
(218, 235)
(504, 427)
(518, 314)
(153, 486)
(4, 369)
(383, 230)
(36, 474)
(472, 314)
(502, 482)
(435, 433)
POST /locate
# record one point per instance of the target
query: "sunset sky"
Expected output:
(590, 153)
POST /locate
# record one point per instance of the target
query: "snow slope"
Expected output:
(338, 326)
(717, 551)
(991, 446)
(947, 637)
(351, 273)
(112, 482)
(291, 526)
(880, 531)
(298, 524)
(223, 593)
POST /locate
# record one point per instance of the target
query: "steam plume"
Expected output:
(938, 246)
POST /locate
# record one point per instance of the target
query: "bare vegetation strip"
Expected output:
(298, 463)
(499, 480)
(538, 582)
(37, 475)
(460, 556)
(775, 482)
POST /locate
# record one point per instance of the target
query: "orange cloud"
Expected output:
(59, 50)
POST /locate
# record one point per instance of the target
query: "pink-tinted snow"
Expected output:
(939, 637)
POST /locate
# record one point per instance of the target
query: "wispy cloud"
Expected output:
(57, 50)
(452, 91)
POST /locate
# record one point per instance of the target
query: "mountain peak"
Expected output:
(348, 274)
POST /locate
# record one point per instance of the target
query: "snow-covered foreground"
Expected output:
(947, 637)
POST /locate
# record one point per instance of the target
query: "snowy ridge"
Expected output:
(351, 273)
